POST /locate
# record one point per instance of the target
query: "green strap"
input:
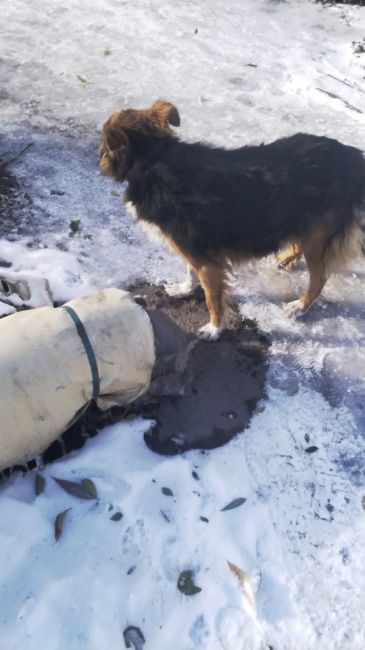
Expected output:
(88, 349)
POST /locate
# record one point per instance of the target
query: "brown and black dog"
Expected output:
(220, 207)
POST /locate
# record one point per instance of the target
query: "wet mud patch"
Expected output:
(228, 378)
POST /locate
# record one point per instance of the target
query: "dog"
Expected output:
(220, 207)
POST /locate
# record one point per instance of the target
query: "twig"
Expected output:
(334, 96)
(5, 163)
(346, 83)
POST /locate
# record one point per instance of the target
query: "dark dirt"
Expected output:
(15, 206)
(228, 379)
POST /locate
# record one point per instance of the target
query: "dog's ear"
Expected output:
(165, 113)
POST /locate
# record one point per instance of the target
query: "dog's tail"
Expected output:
(348, 245)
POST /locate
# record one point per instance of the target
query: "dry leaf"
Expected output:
(75, 225)
(245, 584)
(186, 585)
(311, 450)
(234, 504)
(58, 524)
(89, 487)
(39, 484)
(81, 78)
(81, 490)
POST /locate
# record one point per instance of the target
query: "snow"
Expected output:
(298, 537)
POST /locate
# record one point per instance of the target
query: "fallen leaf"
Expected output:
(311, 450)
(75, 489)
(107, 51)
(39, 484)
(237, 571)
(245, 584)
(205, 520)
(81, 78)
(186, 585)
(89, 487)
(133, 637)
(195, 475)
(234, 504)
(259, 409)
(75, 225)
(58, 524)
(167, 492)
(117, 516)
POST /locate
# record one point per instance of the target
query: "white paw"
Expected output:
(294, 309)
(179, 290)
(209, 332)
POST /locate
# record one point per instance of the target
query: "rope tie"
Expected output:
(80, 329)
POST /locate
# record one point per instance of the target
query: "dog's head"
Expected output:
(126, 132)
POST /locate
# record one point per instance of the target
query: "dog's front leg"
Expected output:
(183, 289)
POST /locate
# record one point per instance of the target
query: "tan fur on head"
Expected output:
(159, 116)
(121, 126)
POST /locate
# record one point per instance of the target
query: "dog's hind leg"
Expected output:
(317, 280)
(183, 289)
(290, 257)
(213, 280)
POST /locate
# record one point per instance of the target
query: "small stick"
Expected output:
(5, 163)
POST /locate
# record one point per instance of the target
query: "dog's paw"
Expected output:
(179, 290)
(294, 309)
(209, 332)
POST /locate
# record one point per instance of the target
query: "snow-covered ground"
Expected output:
(240, 71)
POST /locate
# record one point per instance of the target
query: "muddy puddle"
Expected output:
(228, 379)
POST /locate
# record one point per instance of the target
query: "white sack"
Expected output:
(45, 375)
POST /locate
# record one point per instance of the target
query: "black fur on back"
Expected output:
(247, 201)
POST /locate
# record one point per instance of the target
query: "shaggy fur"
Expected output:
(219, 207)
